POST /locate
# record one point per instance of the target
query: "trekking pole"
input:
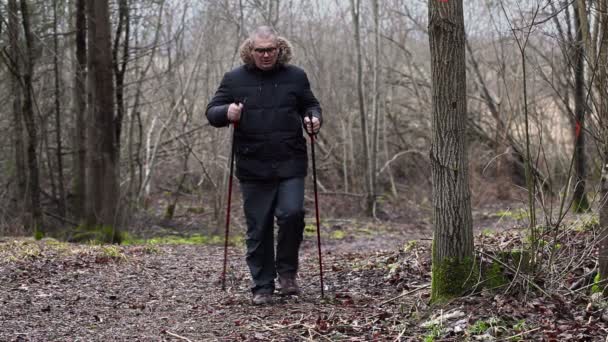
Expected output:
(234, 127)
(314, 177)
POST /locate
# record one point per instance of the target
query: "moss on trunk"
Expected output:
(581, 205)
(518, 260)
(170, 211)
(452, 278)
(101, 234)
(494, 277)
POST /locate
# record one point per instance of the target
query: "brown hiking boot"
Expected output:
(262, 298)
(289, 286)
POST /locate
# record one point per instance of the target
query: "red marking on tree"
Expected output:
(578, 129)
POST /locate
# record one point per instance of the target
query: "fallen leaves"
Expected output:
(57, 290)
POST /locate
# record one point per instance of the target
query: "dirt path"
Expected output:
(51, 291)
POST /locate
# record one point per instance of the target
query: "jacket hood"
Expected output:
(285, 51)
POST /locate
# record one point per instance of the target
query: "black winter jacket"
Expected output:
(269, 141)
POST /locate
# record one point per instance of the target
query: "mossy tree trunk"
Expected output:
(453, 259)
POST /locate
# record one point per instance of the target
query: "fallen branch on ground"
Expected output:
(405, 294)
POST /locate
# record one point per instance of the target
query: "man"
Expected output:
(269, 99)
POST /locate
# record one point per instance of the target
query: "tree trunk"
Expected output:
(453, 260)
(30, 125)
(120, 66)
(376, 104)
(581, 204)
(345, 154)
(603, 121)
(80, 108)
(603, 209)
(16, 88)
(356, 13)
(389, 170)
(58, 130)
(580, 8)
(102, 157)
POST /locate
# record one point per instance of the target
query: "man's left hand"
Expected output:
(316, 125)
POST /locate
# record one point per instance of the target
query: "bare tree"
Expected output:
(30, 123)
(154, 143)
(120, 60)
(453, 260)
(581, 204)
(135, 127)
(375, 104)
(356, 15)
(58, 124)
(79, 112)
(596, 47)
(102, 162)
(14, 62)
(603, 121)
(531, 179)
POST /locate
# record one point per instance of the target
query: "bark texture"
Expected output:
(17, 93)
(356, 14)
(80, 105)
(581, 204)
(58, 122)
(603, 116)
(453, 235)
(36, 222)
(102, 161)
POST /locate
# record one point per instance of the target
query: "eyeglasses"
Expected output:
(262, 51)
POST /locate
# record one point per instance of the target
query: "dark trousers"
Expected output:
(262, 202)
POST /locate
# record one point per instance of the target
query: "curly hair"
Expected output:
(284, 46)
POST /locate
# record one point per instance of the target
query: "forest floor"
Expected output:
(377, 288)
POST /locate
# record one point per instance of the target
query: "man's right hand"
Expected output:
(234, 112)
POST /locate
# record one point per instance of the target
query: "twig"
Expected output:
(320, 335)
(177, 336)
(521, 333)
(601, 282)
(309, 335)
(405, 294)
(63, 219)
(400, 334)
(397, 156)
(281, 327)
(338, 193)
(270, 329)
(584, 279)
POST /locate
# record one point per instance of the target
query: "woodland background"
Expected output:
(438, 121)
(151, 146)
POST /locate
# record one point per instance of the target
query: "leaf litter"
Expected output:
(61, 291)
